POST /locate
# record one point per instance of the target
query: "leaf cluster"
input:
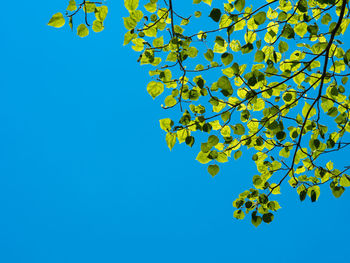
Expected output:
(95, 10)
(268, 76)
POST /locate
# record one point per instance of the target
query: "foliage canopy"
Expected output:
(283, 97)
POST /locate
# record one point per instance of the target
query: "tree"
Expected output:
(283, 97)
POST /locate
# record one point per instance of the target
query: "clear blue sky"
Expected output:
(86, 176)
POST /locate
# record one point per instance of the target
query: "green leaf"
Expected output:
(82, 30)
(239, 5)
(190, 140)
(302, 195)
(275, 189)
(151, 7)
(345, 180)
(170, 101)
(209, 55)
(155, 88)
(288, 32)
(192, 52)
(182, 135)
(220, 45)
(259, 56)
(247, 48)
(225, 116)
(70, 23)
(208, 2)
(268, 218)
(213, 170)
(239, 214)
(203, 157)
(263, 198)
(97, 26)
(312, 29)
(299, 78)
(226, 58)
(89, 7)
(129, 23)
(225, 84)
(128, 37)
(256, 220)
(239, 129)
(213, 140)
(57, 20)
(170, 139)
(158, 42)
(326, 19)
(301, 29)
(337, 191)
(260, 18)
(166, 124)
(197, 14)
(281, 135)
(314, 193)
(215, 14)
(347, 57)
(72, 6)
(306, 110)
(329, 165)
(302, 6)
(101, 13)
(237, 154)
(284, 152)
(222, 158)
(259, 105)
(131, 5)
(273, 205)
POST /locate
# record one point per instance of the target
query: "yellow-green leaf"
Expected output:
(170, 101)
(170, 139)
(213, 169)
(89, 7)
(239, 214)
(275, 189)
(155, 88)
(57, 20)
(345, 181)
(72, 6)
(101, 13)
(203, 158)
(131, 5)
(97, 26)
(306, 109)
(166, 124)
(82, 30)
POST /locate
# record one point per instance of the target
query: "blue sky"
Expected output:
(86, 175)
